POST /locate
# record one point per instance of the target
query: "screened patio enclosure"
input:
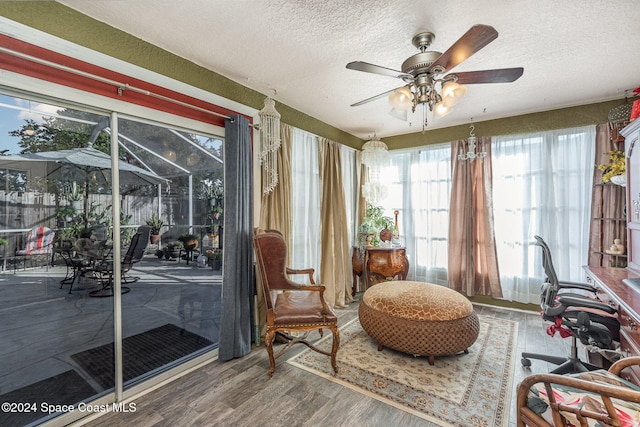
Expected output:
(62, 342)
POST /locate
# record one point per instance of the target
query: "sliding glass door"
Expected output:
(81, 277)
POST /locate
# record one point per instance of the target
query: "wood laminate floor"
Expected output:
(240, 392)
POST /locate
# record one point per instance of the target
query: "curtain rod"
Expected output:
(119, 85)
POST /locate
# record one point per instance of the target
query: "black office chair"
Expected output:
(574, 314)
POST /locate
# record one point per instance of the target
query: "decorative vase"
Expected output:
(386, 235)
(620, 180)
(77, 205)
(154, 239)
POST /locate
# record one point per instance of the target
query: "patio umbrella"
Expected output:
(79, 165)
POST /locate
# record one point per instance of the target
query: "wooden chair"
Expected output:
(291, 307)
(595, 398)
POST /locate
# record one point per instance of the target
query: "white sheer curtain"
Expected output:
(419, 184)
(350, 183)
(542, 186)
(305, 252)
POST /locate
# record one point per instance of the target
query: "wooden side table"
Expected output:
(379, 264)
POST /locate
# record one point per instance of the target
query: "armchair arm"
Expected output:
(308, 271)
(621, 364)
(606, 392)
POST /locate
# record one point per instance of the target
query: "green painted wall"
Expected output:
(556, 119)
(66, 23)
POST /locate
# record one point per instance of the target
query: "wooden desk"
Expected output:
(626, 299)
(379, 264)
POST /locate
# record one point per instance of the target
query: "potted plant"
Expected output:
(75, 197)
(615, 170)
(372, 224)
(66, 213)
(213, 190)
(189, 241)
(171, 250)
(215, 258)
(156, 224)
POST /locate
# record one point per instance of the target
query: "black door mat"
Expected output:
(67, 388)
(141, 353)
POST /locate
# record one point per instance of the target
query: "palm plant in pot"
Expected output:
(156, 224)
(76, 197)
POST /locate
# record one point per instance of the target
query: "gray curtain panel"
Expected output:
(237, 274)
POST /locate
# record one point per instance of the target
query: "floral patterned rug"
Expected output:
(462, 390)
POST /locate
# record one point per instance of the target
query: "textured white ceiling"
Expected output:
(573, 52)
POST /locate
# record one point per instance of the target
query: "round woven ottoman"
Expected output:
(418, 318)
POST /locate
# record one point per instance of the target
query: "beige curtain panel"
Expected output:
(275, 208)
(335, 259)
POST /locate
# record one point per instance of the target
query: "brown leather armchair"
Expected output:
(291, 306)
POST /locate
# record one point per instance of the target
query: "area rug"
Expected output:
(462, 390)
(141, 353)
(67, 388)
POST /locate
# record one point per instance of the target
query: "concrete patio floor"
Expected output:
(42, 325)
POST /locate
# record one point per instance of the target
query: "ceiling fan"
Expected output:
(422, 72)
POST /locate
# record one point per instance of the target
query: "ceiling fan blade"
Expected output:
(504, 75)
(373, 98)
(377, 69)
(472, 41)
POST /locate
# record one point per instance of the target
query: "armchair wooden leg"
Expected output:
(268, 342)
(334, 348)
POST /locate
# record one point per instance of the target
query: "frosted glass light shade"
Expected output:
(440, 110)
(452, 93)
(400, 99)
(374, 153)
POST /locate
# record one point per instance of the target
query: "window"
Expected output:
(541, 186)
(419, 185)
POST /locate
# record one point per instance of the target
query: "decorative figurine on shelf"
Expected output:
(395, 240)
(617, 248)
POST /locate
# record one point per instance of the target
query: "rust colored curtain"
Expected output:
(473, 261)
(607, 201)
(335, 259)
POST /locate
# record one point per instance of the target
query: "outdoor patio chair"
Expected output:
(133, 255)
(39, 245)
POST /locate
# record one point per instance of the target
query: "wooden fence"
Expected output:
(21, 211)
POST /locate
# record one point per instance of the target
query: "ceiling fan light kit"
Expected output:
(422, 72)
